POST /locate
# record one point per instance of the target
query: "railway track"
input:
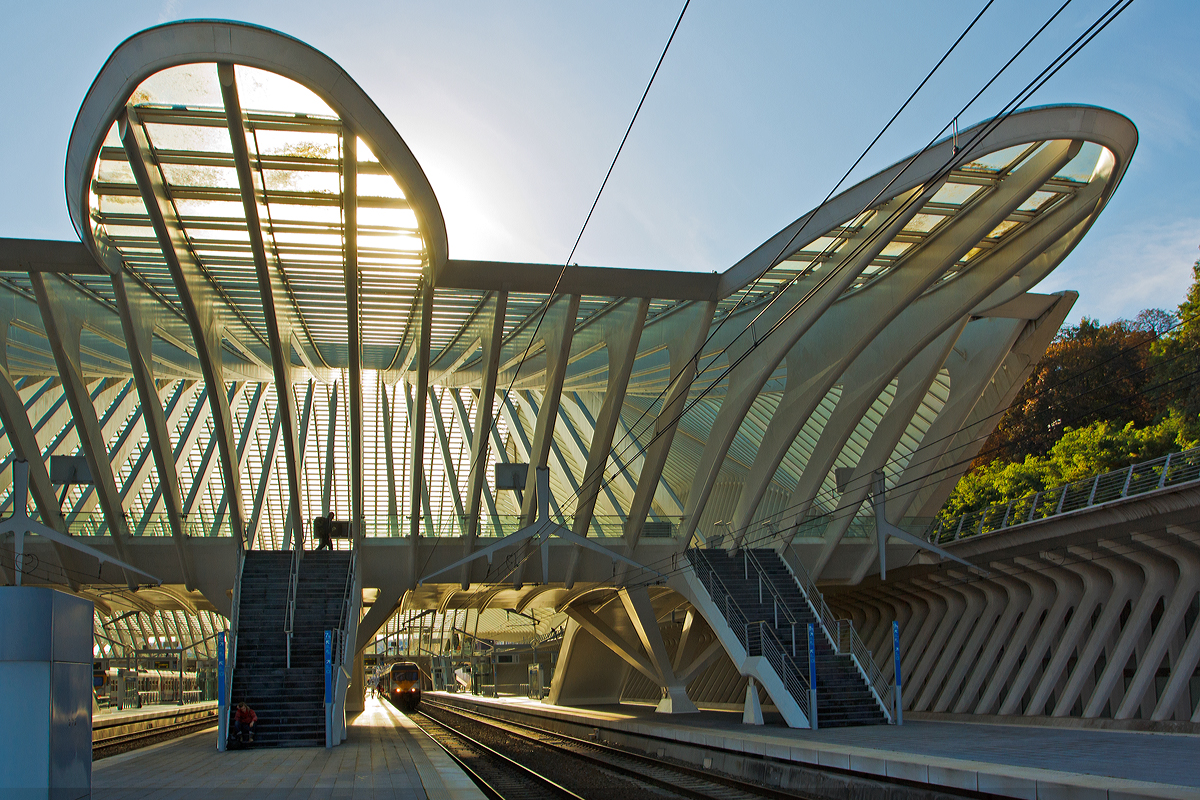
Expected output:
(499, 776)
(113, 745)
(583, 769)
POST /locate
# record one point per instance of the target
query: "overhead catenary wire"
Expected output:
(545, 308)
(1069, 53)
(767, 533)
(1063, 58)
(1032, 86)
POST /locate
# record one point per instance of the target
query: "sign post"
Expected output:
(896, 693)
(329, 688)
(222, 703)
(812, 678)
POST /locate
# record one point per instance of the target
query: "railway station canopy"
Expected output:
(262, 322)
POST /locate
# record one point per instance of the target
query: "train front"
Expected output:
(404, 686)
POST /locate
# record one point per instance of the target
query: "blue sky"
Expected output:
(514, 110)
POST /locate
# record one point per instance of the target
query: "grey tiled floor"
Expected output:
(383, 757)
(1160, 758)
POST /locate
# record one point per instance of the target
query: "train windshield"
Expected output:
(405, 673)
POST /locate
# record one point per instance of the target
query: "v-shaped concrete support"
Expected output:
(884, 529)
(542, 528)
(20, 524)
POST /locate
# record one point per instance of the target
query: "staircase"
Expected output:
(771, 600)
(290, 703)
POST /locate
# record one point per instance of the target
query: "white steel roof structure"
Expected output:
(263, 323)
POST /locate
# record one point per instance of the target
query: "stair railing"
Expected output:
(814, 598)
(841, 634)
(343, 651)
(769, 644)
(777, 601)
(290, 615)
(231, 644)
(850, 643)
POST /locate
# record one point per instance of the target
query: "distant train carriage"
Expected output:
(402, 685)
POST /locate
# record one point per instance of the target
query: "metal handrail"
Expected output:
(816, 600)
(850, 643)
(777, 601)
(841, 634)
(769, 644)
(1174, 469)
(290, 614)
(346, 605)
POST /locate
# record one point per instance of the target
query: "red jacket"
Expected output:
(246, 716)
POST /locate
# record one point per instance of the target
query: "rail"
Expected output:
(840, 633)
(290, 614)
(850, 644)
(1174, 469)
(347, 605)
(769, 644)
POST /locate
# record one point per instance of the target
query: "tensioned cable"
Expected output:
(978, 137)
(1036, 83)
(558, 280)
(746, 293)
(869, 241)
(1060, 61)
(917, 484)
(912, 460)
(596, 200)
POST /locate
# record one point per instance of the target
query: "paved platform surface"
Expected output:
(118, 716)
(384, 756)
(1037, 763)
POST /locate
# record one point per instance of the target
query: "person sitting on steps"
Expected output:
(244, 720)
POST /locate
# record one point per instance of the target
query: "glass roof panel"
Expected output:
(266, 91)
(185, 85)
(955, 194)
(997, 161)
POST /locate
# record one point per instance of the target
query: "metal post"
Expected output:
(896, 693)
(181, 671)
(1162, 481)
(812, 678)
(328, 688)
(222, 702)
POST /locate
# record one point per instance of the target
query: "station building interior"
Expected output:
(570, 484)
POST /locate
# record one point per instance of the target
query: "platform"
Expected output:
(384, 756)
(1033, 763)
(137, 720)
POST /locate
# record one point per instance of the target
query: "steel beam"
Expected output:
(280, 313)
(417, 487)
(63, 329)
(493, 338)
(197, 295)
(137, 320)
(350, 279)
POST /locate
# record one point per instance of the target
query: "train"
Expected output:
(401, 684)
(119, 688)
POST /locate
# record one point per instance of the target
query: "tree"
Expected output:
(1090, 373)
(1177, 356)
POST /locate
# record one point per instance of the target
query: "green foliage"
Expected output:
(1103, 397)
(1078, 454)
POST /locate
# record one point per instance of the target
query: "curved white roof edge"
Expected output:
(1079, 122)
(204, 41)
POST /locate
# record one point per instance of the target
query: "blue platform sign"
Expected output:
(221, 669)
(328, 666)
(896, 661)
(812, 676)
